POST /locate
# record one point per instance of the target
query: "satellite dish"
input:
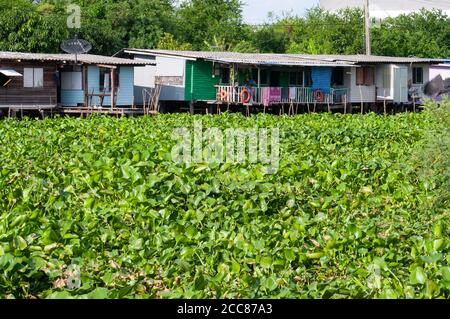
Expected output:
(76, 46)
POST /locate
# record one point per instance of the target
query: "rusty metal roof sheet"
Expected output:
(285, 59)
(245, 58)
(81, 58)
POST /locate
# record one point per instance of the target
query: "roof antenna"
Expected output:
(75, 46)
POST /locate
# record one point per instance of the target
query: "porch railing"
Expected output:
(235, 95)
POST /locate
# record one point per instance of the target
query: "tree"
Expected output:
(323, 32)
(422, 34)
(200, 21)
(28, 27)
(168, 42)
(110, 25)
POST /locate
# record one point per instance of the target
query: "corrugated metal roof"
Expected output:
(287, 59)
(247, 58)
(82, 58)
(360, 58)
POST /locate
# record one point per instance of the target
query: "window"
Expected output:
(225, 76)
(386, 77)
(296, 78)
(105, 78)
(365, 76)
(263, 74)
(308, 77)
(216, 70)
(255, 75)
(71, 78)
(337, 77)
(33, 77)
(275, 78)
(7, 75)
(417, 75)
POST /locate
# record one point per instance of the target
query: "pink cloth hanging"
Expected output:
(266, 96)
(275, 94)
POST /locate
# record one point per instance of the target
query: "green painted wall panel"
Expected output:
(284, 79)
(200, 83)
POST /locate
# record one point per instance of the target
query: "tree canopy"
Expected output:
(110, 25)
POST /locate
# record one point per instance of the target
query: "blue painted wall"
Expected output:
(71, 97)
(125, 94)
(321, 78)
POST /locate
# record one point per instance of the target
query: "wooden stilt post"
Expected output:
(191, 107)
(113, 88)
(361, 99)
(345, 104)
(384, 102)
(85, 85)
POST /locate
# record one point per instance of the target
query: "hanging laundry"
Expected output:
(265, 96)
(292, 94)
(275, 94)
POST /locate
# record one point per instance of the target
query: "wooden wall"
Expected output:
(15, 93)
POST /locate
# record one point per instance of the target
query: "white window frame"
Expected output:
(72, 81)
(414, 75)
(37, 78)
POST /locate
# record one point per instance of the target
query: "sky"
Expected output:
(255, 11)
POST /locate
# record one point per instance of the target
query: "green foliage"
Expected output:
(346, 216)
(433, 155)
(206, 23)
(168, 42)
(30, 28)
(216, 25)
(322, 32)
(422, 34)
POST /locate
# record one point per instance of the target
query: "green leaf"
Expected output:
(137, 244)
(289, 254)
(316, 255)
(438, 244)
(431, 289)
(19, 220)
(20, 243)
(446, 273)
(418, 276)
(99, 293)
(270, 283)
(235, 267)
(60, 295)
(266, 262)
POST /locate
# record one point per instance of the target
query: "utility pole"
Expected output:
(367, 24)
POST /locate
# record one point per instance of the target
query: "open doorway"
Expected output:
(274, 79)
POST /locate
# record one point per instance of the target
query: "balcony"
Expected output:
(278, 95)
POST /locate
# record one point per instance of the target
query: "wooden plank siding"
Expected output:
(200, 84)
(15, 93)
